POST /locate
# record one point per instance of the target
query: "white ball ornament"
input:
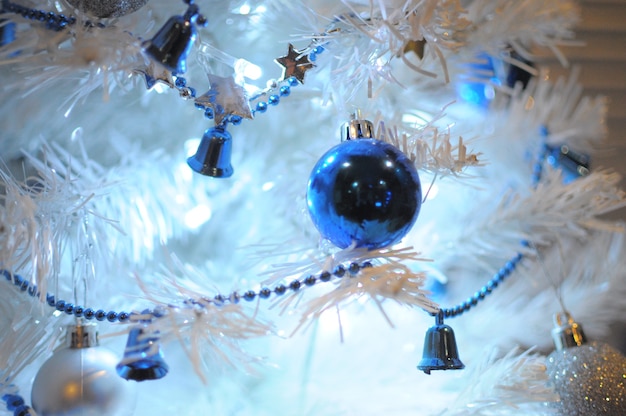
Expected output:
(81, 380)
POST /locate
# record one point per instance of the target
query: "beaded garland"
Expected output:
(16, 404)
(101, 315)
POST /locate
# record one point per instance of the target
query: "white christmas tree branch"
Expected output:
(510, 385)
(549, 210)
(522, 24)
(561, 108)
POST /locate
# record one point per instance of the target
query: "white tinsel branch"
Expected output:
(551, 209)
(207, 332)
(430, 148)
(523, 24)
(512, 385)
(561, 108)
(24, 337)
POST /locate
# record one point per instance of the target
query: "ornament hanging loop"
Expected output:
(567, 333)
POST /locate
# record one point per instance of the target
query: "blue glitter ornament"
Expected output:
(364, 191)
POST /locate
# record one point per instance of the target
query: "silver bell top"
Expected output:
(357, 129)
(82, 335)
(567, 333)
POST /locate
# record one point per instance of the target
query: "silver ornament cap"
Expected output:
(82, 336)
(567, 333)
(357, 128)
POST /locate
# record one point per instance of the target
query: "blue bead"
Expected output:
(235, 119)
(7, 275)
(234, 297)
(285, 91)
(312, 57)
(199, 106)
(192, 92)
(180, 82)
(159, 311)
(261, 106)
(364, 191)
(265, 293)
(273, 99)
(325, 276)
(249, 295)
(280, 289)
(23, 410)
(89, 313)
(318, 49)
(219, 300)
(78, 311)
(123, 316)
(202, 21)
(100, 315)
(293, 81)
(60, 305)
(309, 280)
(354, 268)
(339, 271)
(32, 290)
(7, 32)
(295, 285)
(112, 316)
(208, 113)
(366, 264)
(69, 308)
(14, 401)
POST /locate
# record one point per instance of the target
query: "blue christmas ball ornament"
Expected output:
(364, 191)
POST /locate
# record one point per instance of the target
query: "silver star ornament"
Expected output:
(225, 97)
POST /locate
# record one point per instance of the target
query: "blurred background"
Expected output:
(602, 64)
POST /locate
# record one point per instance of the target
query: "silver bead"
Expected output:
(81, 380)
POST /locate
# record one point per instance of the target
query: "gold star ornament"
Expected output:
(294, 64)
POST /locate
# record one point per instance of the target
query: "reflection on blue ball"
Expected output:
(364, 191)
